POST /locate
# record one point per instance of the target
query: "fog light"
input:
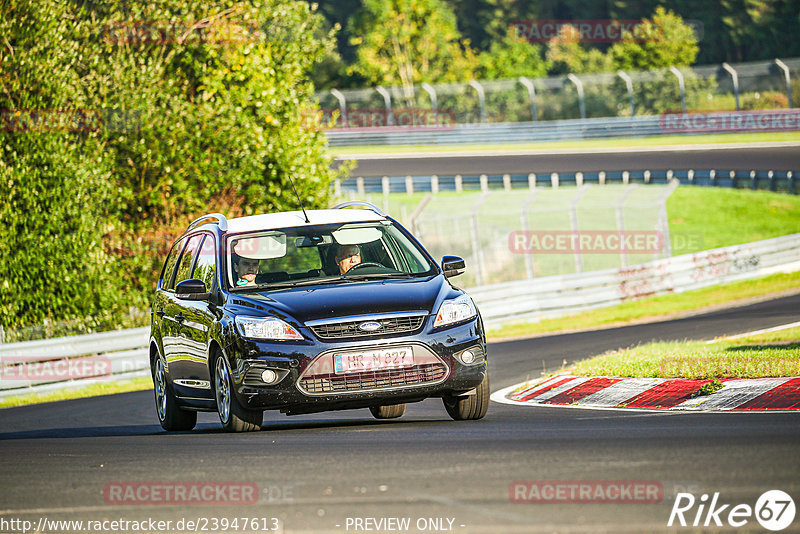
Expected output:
(269, 376)
(467, 357)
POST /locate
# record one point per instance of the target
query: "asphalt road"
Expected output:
(315, 472)
(739, 158)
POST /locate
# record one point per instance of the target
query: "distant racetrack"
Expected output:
(738, 158)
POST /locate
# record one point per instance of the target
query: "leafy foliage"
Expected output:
(160, 112)
(402, 42)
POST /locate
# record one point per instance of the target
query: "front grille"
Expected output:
(418, 375)
(350, 329)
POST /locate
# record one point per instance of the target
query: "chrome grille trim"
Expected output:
(342, 328)
(416, 376)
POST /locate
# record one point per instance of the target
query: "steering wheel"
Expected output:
(365, 264)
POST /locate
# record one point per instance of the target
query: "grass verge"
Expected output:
(136, 384)
(666, 140)
(654, 308)
(766, 355)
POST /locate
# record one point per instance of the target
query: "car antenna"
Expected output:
(298, 199)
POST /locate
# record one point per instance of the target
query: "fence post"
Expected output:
(579, 86)
(387, 100)
(484, 183)
(629, 85)
(409, 185)
(530, 270)
(601, 177)
(788, 77)
(360, 185)
(532, 180)
(554, 180)
(432, 93)
(735, 79)
(474, 231)
(434, 184)
(507, 182)
(459, 183)
(681, 85)
(531, 96)
(481, 98)
(578, 178)
(385, 186)
(623, 253)
(342, 105)
(573, 223)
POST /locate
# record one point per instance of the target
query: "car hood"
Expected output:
(311, 303)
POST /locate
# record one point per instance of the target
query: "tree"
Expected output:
(511, 58)
(403, 42)
(661, 42)
(177, 108)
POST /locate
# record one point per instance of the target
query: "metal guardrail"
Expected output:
(772, 180)
(123, 353)
(75, 361)
(557, 295)
(572, 129)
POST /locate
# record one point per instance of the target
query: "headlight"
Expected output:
(454, 311)
(266, 328)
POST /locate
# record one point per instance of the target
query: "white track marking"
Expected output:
(735, 393)
(756, 332)
(619, 392)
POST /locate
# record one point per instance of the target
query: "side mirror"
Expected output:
(452, 266)
(192, 289)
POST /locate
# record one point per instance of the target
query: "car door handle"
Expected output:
(180, 318)
(161, 313)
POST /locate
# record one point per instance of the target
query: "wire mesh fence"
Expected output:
(524, 233)
(757, 85)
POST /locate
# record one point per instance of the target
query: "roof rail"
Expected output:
(210, 218)
(361, 204)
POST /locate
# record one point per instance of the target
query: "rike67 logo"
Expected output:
(774, 510)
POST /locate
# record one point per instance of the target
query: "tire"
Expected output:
(388, 412)
(233, 416)
(170, 415)
(471, 407)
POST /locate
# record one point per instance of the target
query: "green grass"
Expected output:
(768, 355)
(136, 384)
(592, 143)
(702, 218)
(652, 308)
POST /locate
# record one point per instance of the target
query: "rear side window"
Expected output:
(186, 260)
(169, 265)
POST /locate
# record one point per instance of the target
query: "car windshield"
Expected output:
(335, 253)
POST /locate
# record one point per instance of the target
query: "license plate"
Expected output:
(373, 360)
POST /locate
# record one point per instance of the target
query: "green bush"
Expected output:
(155, 114)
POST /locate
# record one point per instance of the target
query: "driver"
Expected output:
(347, 257)
(246, 271)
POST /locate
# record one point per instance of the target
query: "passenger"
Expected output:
(246, 271)
(347, 257)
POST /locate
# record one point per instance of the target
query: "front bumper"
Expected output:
(303, 387)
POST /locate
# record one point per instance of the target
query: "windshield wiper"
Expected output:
(301, 283)
(377, 275)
